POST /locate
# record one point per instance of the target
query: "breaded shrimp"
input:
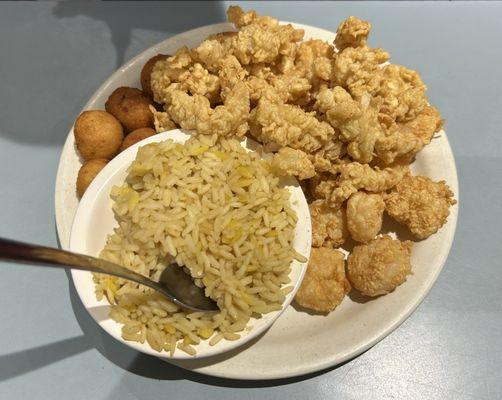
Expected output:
(329, 226)
(325, 284)
(421, 204)
(364, 215)
(379, 266)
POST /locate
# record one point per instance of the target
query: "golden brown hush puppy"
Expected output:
(98, 134)
(136, 136)
(87, 173)
(131, 107)
(146, 73)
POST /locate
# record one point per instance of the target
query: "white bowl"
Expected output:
(94, 220)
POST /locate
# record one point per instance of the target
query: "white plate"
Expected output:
(95, 220)
(298, 343)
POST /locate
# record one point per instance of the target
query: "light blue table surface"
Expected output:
(52, 58)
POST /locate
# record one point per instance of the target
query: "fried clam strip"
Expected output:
(396, 142)
(313, 61)
(331, 152)
(195, 112)
(356, 121)
(421, 204)
(325, 284)
(329, 225)
(425, 124)
(351, 177)
(161, 120)
(260, 39)
(213, 50)
(357, 69)
(401, 91)
(353, 32)
(181, 72)
(291, 162)
(288, 125)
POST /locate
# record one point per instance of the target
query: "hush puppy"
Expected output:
(136, 136)
(98, 134)
(131, 107)
(146, 73)
(87, 173)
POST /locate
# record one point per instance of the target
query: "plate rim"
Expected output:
(316, 367)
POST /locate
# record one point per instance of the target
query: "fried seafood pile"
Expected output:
(337, 116)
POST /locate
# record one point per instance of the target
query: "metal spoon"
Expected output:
(174, 283)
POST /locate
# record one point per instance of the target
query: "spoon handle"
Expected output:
(46, 256)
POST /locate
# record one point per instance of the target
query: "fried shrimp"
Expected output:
(325, 284)
(421, 204)
(379, 266)
(364, 216)
(329, 225)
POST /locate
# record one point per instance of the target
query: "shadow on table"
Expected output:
(154, 368)
(172, 17)
(25, 361)
(60, 93)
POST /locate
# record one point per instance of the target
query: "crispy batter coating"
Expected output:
(181, 72)
(313, 61)
(291, 87)
(357, 121)
(260, 39)
(329, 226)
(357, 69)
(425, 124)
(338, 106)
(293, 162)
(230, 73)
(136, 136)
(87, 173)
(421, 204)
(240, 18)
(355, 176)
(131, 107)
(397, 143)
(98, 134)
(146, 73)
(402, 93)
(212, 50)
(364, 216)
(353, 32)
(379, 266)
(162, 121)
(195, 112)
(329, 153)
(325, 284)
(288, 125)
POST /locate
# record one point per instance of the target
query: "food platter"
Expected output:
(298, 343)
